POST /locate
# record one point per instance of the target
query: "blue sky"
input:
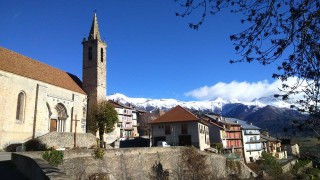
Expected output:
(151, 53)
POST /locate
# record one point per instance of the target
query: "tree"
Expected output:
(194, 164)
(270, 165)
(102, 118)
(285, 31)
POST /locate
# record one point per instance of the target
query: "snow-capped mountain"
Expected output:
(266, 112)
(209, 105)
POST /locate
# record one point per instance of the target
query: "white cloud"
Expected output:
(243, 91)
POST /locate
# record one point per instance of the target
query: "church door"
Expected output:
(53, 125)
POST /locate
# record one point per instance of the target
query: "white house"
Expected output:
(251, 140)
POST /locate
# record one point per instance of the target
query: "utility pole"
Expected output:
(75, 132)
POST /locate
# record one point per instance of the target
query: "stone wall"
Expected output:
(59, 140)
(136, 163)
(288, 166)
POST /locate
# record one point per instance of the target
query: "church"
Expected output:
(36, 98)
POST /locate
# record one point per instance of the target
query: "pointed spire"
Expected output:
(94, 31)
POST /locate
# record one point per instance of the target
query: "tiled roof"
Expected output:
(177, 114)
(118, 105)
(233, 121)
(21, 65)
(268, 138)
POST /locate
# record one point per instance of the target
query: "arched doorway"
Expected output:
(58, 118)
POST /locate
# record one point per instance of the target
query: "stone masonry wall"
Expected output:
(59, 140)
(136, 163)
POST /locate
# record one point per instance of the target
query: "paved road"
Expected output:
(5, 156)
(8, 170)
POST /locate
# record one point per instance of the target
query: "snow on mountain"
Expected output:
(209, 105)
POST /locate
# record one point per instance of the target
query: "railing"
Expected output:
(254, 149)
(128, 126)
(253, 141)
(253, 132)
(235, 147)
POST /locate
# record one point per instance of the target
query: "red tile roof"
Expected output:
(177, 114)
(24, 66)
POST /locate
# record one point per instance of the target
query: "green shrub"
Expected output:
(98, 153)
(218, 146)
(54, 157)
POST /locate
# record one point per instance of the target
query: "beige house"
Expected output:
(126, 128)
(36, 98)
(179, 127)
(272, 145)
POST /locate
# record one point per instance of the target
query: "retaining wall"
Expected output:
(136, 163)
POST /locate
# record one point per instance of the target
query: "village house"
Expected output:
(272, 145)
(126, 128)
(236, 136)
(251, 141)
(227, 132)
(180, 127)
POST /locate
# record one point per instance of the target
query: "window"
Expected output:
(184, 128)
(90, 53)
(21, 106)
(101, 54)
(167, 130)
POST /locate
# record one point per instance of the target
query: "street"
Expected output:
(7, 169)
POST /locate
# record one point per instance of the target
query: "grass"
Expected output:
(315, 171)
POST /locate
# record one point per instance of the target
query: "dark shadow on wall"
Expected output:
(137, 142)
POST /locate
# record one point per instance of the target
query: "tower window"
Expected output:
(90, 53)
(21, 106)
(101, 55)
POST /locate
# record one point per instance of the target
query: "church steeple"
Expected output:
(94, 31)
(94, 70)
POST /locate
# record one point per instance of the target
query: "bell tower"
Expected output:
(94, 65)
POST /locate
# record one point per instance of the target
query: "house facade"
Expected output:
(226, 131)
(251, 140)
(127, 126)
(179, 127)
(272, 145)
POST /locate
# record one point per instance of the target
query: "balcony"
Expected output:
(128, 127)
(233, 130)
(232, 138)
(253, 141)
(235, 147)
(250, 150)
(251, 132)
(127, 112)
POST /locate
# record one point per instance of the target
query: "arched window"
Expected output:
(21, 106)
(101, 55)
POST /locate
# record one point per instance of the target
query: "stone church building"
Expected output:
(36, 98)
